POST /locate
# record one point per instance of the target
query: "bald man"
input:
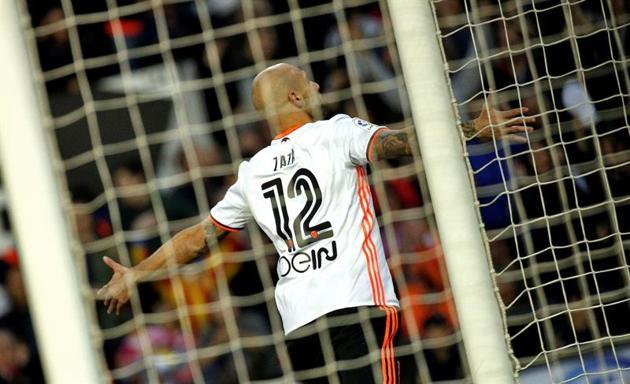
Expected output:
(308, 191)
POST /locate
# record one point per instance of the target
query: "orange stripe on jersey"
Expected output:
(387, 348)
(385, 363)
(391, 345)
(388, 363)
(366, 252)
(368, 218)
(223, 227)
(372, 221)
(372, 140)
(367, 233)
(371, 248)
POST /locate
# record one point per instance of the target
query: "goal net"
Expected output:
(147, 104)
(148, 108)
(555, 207)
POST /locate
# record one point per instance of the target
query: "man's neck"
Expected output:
(291, 121)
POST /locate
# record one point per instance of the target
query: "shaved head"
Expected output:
(283, 89)
(272, 86)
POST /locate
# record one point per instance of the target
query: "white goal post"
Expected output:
(60, 314)
(435, 122)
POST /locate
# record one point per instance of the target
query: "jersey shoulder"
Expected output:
(340, 117)
(335, 121)
(339, 121)
(322, 134)
(327, 130)
(243, 170)
(346, 124)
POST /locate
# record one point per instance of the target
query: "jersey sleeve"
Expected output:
(358, 138)
(232, 213)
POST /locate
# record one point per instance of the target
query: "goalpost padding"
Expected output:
(452, 197)
(55, 294)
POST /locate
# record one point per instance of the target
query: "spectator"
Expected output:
(136, 211)
(373, 65)
(54, 50)
(14, 357)
(16, 325)
(138, 217)
(444, 360)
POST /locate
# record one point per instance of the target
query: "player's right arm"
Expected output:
(186, 245)
(229, 215)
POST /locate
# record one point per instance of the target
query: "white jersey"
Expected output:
(309, 193)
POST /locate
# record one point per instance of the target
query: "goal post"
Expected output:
(449, 182)
(55, 297)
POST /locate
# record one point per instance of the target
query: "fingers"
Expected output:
(528, 119)
(101, 294)
(502, 130)
(490, 98)
(514, 134)
(113, 304)
(111, 263)
(515, 112)
(118, 306)
(521, 120)
(524, 120)
(517, 129)
(510, 124)
(517, 139)
(511, 112)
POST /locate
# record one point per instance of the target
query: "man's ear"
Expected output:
(296, 99)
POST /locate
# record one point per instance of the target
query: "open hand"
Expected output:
(116, 292)
(493, 123)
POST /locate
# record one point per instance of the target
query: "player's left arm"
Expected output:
(491, 123)
(390, 144)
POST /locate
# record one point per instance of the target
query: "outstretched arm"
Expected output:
(490, 124)
(495, 124)
(186, 245)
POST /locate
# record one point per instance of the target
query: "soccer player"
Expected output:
(308, 191)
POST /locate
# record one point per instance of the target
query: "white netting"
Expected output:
(556, 209)
(149, 111)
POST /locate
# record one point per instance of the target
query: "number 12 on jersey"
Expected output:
(302, 182)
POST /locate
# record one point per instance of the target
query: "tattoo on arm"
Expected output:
(391, 144)
(213, 236)
(468, 128)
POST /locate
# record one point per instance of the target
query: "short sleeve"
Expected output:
(358, 136)
(232, 213)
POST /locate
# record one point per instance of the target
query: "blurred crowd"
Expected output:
(19, 358)
(576, 160)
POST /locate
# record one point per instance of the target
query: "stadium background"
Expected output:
(213, 127)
